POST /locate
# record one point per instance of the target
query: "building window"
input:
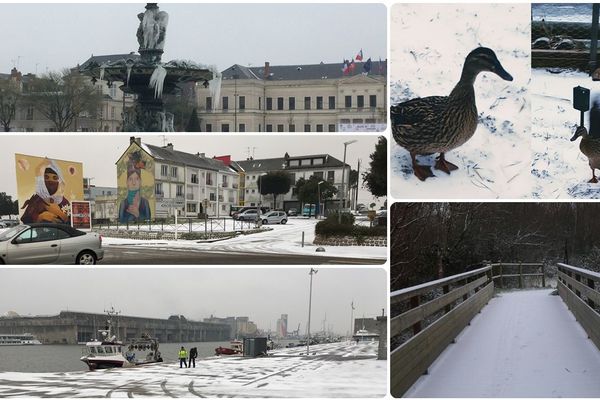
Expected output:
(209, 180)
(158, 189)
(317, 161)
(330, 176)
(319, 102)
(112, 113)
(225, 103)
(319, 127)
(292, 128)
(212, 196)
(269, 128)
(242, 128)
(331, 127)
(225, 128)
(360, 101)
(357, 121)
(373, 101)
(209, 104)
(280, 128)
(318, 175)
(348, 101)
(331, 102)
(307, 103)
(174, 172)
(194, 178)
(306, 162)
(191, 207)
(242, 102)
(306, 127)
(208, 127)
(260, 103)
(292, 103)
(164, 170)
(294, 163)
(179, 191)
(269, 103)
(280, 103)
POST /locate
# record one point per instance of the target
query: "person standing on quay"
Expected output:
(193, 355)
(182, 357)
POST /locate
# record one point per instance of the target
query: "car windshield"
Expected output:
(10, 232)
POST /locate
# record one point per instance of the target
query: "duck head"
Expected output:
(483, 59)
(581, 131)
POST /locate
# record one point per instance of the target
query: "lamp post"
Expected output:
(319, 197)
(311, 273)
(351, 319)
(343, 198)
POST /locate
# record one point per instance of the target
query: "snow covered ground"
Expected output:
(559, 169)
(525, 343)
(429, 43)
(336, 370)
(283, 239)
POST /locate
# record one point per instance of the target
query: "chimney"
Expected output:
(133, 139)
(267, 72)
(202, 155)
(169, 146)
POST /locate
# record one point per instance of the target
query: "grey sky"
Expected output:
(99, 153)
(259, 293)
(55, 36)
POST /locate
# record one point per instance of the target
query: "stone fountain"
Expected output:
(148, 78)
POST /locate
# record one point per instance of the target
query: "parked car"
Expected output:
(7, 223)
(292, 212)
(248, 215)
(309, 209)
(274, 217)
(49, 244)
(236, 214)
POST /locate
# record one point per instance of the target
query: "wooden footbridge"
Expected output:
(463, 336)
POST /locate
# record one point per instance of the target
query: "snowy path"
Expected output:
(336, 370)
(523, 344)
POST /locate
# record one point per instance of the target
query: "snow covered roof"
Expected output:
(275, 164)
(167, 153)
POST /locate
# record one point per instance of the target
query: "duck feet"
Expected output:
(443, 165)
(421, 171)
(594, 179)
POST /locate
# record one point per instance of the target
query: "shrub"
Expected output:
(347, 218)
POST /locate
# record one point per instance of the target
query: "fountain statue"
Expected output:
(148, 78)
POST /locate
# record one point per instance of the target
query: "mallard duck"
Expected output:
(438, 124)
(590, 145)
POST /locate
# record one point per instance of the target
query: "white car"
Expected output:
(49, 244)
(248, 215)
(274, 217)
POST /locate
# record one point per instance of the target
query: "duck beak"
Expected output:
(580, 130)
(501, 72)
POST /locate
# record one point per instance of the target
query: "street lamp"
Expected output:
(311, 273)
(351, 319)
(319, 197)
(343, 198)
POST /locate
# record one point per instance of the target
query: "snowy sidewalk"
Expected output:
(523, 344)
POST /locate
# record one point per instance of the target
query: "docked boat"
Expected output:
(109, 352)
(363, 335)
(25, 339)
(236, 347)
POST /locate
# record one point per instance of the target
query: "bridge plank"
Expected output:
(411, 317)
(583, 288)
(413, 358)
(585, 315)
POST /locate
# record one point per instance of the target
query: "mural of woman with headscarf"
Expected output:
(48, 204)
(134, 207)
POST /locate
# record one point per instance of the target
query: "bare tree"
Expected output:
(9, 96)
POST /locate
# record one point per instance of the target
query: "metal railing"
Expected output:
(184, 225)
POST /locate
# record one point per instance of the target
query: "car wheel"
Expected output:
(86, 258)
(283, 221)
(265, 222)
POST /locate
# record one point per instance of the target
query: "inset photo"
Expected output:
(194, 67)
(565, 100)
(193, 200)
(492, 300)
(244, 332)
(460, 110)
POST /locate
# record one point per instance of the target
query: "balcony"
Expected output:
(235, 185)
(209, 182)
(224, 184)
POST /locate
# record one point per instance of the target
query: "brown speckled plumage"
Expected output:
(590, 147)
(438, 124)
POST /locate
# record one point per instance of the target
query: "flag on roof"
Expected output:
(359, 56)
(380, 67)
(351, 66)
(346, 68)
(367, 66)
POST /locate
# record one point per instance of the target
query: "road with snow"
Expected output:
(334, 370)
(523, 344)
(271, 247)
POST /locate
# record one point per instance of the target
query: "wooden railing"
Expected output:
(454, 300)
(580, 290)
(520, 270)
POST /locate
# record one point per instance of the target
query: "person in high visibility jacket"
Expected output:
(183, 357)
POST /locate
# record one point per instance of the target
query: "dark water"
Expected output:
(65, 358)
(566, 12)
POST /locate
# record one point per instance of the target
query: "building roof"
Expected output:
(277, 164)
(193, 160)
(301, 72)
(109, 58)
